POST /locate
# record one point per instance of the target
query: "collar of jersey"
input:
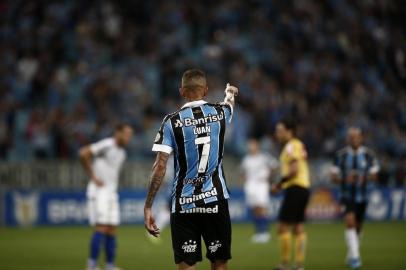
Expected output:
(194, 103)
(360, 149)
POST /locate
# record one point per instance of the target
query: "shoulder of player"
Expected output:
(264, 155)
(102, 145)
(171, 115)
(293, 144)
(219, 105)
(342, 151)
(109, 141)
(294, 148)
(368, 151)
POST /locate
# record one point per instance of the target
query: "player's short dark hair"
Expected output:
(122, 126)
(361, 131)
(290, 124)
(191, 77)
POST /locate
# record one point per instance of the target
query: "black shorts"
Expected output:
(189, 228)
(294, 205)
(358, 208)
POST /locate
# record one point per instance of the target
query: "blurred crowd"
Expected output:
(71, 70)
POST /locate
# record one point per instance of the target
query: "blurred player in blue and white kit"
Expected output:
(257, 168)
(354, 166)
(102, 162)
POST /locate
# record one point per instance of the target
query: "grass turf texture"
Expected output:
(383, 247)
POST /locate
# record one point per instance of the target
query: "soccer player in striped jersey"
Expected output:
(199, 206)
(353, 167)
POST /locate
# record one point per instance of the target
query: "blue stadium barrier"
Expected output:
(27, 208)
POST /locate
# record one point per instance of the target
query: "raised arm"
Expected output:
(157, 176)
(231, 92)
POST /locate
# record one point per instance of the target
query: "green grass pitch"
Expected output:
(65, 248)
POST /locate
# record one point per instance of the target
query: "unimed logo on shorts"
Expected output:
(189, 247)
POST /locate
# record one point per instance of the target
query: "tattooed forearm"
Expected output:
(158, 174)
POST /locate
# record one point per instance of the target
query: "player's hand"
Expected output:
(149, 223)
(97, 181)
(351, 177)
(275, 188)
(231, 89)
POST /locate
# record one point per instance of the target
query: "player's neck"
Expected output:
(117, 141)
(289, 139)
(195, 98)
(355, 148)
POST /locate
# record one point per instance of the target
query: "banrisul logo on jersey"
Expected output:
(188, 122)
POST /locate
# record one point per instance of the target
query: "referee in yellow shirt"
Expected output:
(295, 181)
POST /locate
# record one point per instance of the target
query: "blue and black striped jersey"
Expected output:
(195, 134)
(358, 164)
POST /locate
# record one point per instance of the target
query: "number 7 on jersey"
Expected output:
(204, 159)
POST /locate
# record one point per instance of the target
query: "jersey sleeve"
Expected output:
(272, 162)
(295, 151)
(374, 165)
(228, 111)
(100, 147)
(164, 140)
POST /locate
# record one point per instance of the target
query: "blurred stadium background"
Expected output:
(71, 70)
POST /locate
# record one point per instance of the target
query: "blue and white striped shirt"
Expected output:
(195, 134)
(360, 163)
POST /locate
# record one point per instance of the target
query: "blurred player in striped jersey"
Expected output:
(257, 168)
(354, 166)
(102, 162)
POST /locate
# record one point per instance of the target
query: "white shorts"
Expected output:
(257, 194)
(103, 209)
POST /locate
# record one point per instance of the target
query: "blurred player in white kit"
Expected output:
(102, 162)
(257, 168)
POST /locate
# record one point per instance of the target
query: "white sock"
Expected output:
(351, 238)
(91, 263)
(162, 219)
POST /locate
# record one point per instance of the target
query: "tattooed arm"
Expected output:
(158, 174)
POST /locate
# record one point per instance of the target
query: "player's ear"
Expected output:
(206, 90)
(181, 91)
